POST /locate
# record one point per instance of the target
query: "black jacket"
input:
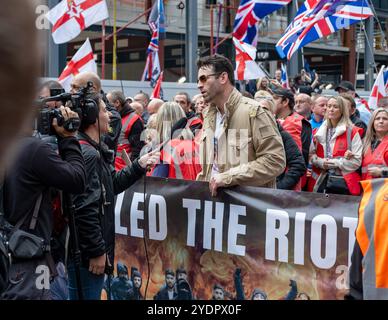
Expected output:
(163, 294)
(95, 218)
(307, 136)
(358, 123)
(135, 133)
(296, 166)
(36, 169)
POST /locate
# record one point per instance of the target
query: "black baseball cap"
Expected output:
(281, 92)
(345, 85)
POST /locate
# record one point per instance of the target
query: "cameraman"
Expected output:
(36, 169)
(80, 81)
(94, 217)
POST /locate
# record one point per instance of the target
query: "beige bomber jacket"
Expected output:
(250, 148)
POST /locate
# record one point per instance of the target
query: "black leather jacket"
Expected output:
(94, 218)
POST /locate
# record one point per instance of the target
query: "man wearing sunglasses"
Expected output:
(240, 144)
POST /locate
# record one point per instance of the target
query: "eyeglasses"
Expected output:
(204, 77)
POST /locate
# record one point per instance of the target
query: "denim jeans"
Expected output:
(91, 284)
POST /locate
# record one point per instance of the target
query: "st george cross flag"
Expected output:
(248, 17)
(246, 67)
(320, 18)
(82, 61)
(152, 68)
(380, 88)
(157, 93)
(70, 17)
(285, 82)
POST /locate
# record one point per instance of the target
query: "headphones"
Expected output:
(90, 111)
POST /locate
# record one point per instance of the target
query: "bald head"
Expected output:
(81, 80)
(303, 104)
(154, 106)
(138, 107)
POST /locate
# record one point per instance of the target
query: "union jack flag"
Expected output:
(154, 43)
(248, 17)
(320, 18)
(284, 80)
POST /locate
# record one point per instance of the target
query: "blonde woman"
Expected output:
(179, 156)
(263, 84)
(336, 152)
(375, 153)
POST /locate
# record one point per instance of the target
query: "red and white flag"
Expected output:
(70, 17)
(157, 93)
(246, 67)
(82, 61)
(380, 88)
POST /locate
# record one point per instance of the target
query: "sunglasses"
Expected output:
(204, 77)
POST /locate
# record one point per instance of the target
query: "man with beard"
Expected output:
(168, 292)
(134, 292)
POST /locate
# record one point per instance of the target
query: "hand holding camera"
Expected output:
(66, 123)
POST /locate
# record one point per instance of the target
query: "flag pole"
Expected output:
(103, 50)
(114, 67)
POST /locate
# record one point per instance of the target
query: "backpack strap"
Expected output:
(35, 215)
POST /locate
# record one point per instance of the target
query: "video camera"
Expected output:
(46, 114)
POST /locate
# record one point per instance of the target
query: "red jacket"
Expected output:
(123, 143)
(182, 157)
(377, 158)
(352, 179)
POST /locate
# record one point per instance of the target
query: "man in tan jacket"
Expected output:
(240, 143)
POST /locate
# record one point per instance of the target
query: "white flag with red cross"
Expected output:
(82, 61)
(380, 88)
(246, 67)
(70, 17)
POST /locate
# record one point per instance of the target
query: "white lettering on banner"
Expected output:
(276, 237)
(351, 224)
(300, 218)
(235, 229)
(136, 215)
(119, 203)
(316, 241)
(192, 206)
(211, 224)
(280, 233)
(160, 202)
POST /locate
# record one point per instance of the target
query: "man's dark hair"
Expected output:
(182, 93)
(180, 270)
(349, 98)
(169, 272)
(219, 64)
(118, 96)
(145, 95)
(218, 286)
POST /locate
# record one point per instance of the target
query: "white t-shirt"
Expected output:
(219, 125)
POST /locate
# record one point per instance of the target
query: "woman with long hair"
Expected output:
(375, 153)
(336, 152)
(179, 156)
